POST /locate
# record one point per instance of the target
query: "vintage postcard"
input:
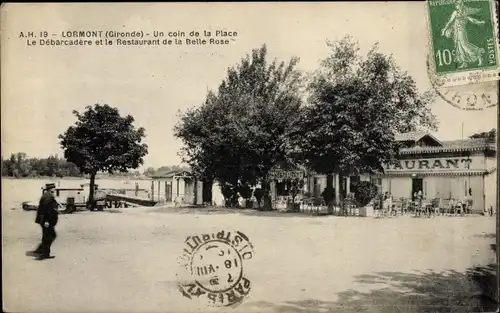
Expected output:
(464, 41)
(250, 157)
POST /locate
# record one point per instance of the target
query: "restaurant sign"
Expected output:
(430, 164)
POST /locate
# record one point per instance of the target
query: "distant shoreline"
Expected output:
(75, 178)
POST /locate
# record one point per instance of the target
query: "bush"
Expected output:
(245, 191)
(366, 191)
(258, 194)
(230, 195)
(328, 195)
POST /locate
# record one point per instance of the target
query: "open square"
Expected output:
(127, 261)
(259, 157)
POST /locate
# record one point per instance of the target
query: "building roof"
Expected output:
(410, 136)
(467, 143)
(415, 136)
(476, 144)
(170, 174)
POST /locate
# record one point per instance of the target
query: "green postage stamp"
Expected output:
(463, 40)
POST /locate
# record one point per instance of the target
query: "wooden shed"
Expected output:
(178, 187)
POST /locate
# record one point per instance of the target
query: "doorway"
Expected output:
(317, 188)
(168, 192)
(417, 184)
(207, 192)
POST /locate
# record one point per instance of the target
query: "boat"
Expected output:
(72, 199)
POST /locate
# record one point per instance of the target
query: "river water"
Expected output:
(16, 191)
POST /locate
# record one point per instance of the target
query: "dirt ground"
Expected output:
(127, 261)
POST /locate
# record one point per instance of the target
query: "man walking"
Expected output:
(47, 216)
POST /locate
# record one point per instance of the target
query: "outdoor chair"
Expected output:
(318, 203)
(376, 208)
(405, 206)
(351, 209)
(397, 207)
(450, 207)
(445, 206)
(469, 206)
(459, 207)
(417, 208)
(345, 207)
(413, 207)
(308, 204)
(422, 208)
(428, 208)
(436, 204)
(386, 208)
(302, 205)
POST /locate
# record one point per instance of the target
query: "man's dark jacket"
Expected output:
(47, 210)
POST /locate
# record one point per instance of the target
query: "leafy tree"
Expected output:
(4, 168)
(19, 164)
(357, 106)
(241, 131)
(490, 136)
(52, 164)
(22, 167)
(149, 171)
(102, 140)
(8, 166)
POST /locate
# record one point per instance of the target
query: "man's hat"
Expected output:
(50, 186)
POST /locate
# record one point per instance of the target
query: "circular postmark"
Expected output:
(213, 265)
(469, 97)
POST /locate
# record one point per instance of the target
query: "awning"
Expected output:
(434, 173)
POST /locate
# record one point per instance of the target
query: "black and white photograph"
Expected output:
(266, 157)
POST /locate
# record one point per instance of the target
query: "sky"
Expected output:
(42, 85)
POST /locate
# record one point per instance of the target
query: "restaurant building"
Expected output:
(462, 170)
(459, 169)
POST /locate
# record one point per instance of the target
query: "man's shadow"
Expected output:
(33, 253)
(37, 255)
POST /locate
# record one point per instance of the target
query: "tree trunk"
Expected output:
(91, 202)
(266, 198)
(329, 186)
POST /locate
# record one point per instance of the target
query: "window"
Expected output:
(376, 181)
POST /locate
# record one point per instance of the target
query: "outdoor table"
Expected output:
(427, 207)
(353, 210)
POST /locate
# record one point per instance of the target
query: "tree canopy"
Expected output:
(241, 131)
(489, 135)
(257, 118)
(102, 140)
(20, 165)
(357, 105)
